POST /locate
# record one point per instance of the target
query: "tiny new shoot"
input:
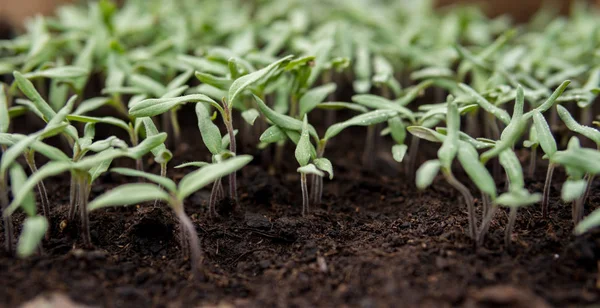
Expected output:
(172, 194)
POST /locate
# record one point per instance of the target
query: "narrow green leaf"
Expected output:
(518, 198)
(281, 120)
(304, 151)
(240, 84)
(315, 96)
(342, 105)
(208, 174)
(99, 169)
(4, 115)
(164, 182)
(250, 115)
(218, 82)
(486, 105)
(427, 172)
(588, 223)
(61, 73)
(211, 136)
(17, 179)
(129, 194)
(365, 119)
(106, 120)
(477, 172)
(378, 102)
(512, 166)
(325, 165)
(449, 148)
(399, 151)
(573, 189)
(91, 104)
(426, 133)
(550, 101)
(310, 169)
(29, 90)
(197, 164)
(34, 229)
(544, 135)
(273, 134)
(155, 106)
(586, 131)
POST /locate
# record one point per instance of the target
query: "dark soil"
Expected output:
(374, 242)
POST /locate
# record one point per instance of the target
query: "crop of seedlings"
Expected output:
(499, 102)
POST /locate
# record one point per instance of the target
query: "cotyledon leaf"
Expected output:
(365, 119)
(129, 194)
(163, 181)
(240, 84)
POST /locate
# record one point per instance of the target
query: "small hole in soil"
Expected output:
(152, 236)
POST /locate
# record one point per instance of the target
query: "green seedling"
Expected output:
(174, 195)
(84, 170)
(589, 132)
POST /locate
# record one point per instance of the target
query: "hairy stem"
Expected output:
(175, 126)
(590, 181)
(85, 218)
(369, 151)
(139, 164)
(466, 194)
(29, 158)
(7, 220)
(485, 224)
(413, 150)
(232, 147)
(512, 217)
(163, 173)
(73, 198)
(546, 193)
(532, 162)
(192, 236)
(212, 212)
(305, 203)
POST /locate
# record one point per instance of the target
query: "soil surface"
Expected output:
(374, 242)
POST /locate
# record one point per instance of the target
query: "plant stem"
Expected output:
(532, 162)
(82, 179)
(413, 150)
(369, 156)
(232, 147)
(73, 197)
(212, 212)
(305, 203)
(192, 236)
(139, 164)
(175, 126)
(29, 158)
(546, 193)
(512, 217)
(8, 223)
(485, 224)
(163, 173)
(466, 194)
(588, 188)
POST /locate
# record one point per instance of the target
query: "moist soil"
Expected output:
(375, 241)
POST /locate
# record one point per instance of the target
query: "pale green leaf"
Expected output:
(34, 229)
(325, 165)
(399, 151)
(129, 194)
(240, 84)
(310, 169)
(208, 174)
(250, 115)
(164, 182)
(427, 173)
(315, 96)
(365, 119)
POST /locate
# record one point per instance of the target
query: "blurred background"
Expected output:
(14, 12)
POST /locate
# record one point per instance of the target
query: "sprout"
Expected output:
(174, 195)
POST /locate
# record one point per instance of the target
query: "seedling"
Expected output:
(174, 195)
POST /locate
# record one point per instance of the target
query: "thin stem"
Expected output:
(220, 190)
(588, 188)
(305, 203)
(163, 173)
(73, 198)
(85, 218)
(175, 126)
(466, 194)
(232, 148)
(212, 212)
(532, 162)
(139, 164)
(485, 224)
(413, 150)
(8, 223)
(546, 193)
(29, 158)
(368, 156)
(192, 236)
(512, 217)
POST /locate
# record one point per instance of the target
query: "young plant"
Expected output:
(35, 226)
(446, 155)
(589, 132)
(174, 195)
(548, 145)
(84, 170)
